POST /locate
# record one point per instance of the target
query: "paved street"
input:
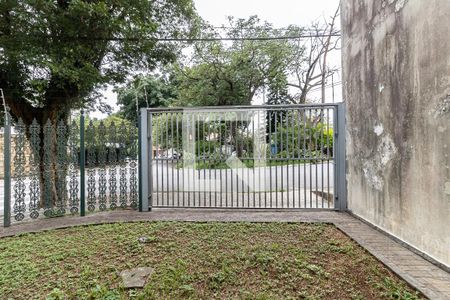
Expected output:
(305, 176)
(299, 186)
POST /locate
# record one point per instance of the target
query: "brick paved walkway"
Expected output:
(432, 281)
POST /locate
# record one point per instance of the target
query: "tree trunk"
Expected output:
(51, 175)
(53, 170)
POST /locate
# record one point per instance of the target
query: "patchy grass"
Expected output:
(195, 260)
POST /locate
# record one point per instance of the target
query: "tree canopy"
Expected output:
(214, 72)
(233, 73)
(55, 55)
(145, 91)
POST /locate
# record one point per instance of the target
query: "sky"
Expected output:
(280, 13)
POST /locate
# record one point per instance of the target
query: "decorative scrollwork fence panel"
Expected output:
(46, 171)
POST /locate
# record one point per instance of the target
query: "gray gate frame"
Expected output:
(145, 154)
(340, 176)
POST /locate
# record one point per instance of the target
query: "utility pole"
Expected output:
(145, 92)
(332, 87)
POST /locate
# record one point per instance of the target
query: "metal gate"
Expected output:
(283, 156)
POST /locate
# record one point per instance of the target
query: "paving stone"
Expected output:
(136, 278)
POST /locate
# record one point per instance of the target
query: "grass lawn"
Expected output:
(197, 261)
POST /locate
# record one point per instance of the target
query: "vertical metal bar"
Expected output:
(231, 170)
(163, 155)
(233, 123)
(220, 161)
(162, 146)
(288, 156)
(340, 171)
(167, 160)
(328, 158)
(321, 152)
(7, 170)
(150, 159)
(158, 156)
(268, 147)
(276, 161)
(214, 157)
(185, 142)
(264, 118)
(293, 157)
(191, 147)
(310, 159)
(203, 118)
(239, 199)
(172, 170)
(335, 155)
(183, 154)
(270, 157)
(299, 123)
(315, 163)
(241, 203)
(140, 171)
(247, 152)
(186, 145)
(209, 119)
(143, 161)
(198, 171)
(258, 136)
(82, 167)
(254, 157)
(191, 141)
(281, 157)
(304, 154)
(191, 184)
(178, 158)
(195, 160)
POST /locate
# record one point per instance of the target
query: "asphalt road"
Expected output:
(288, 177)
(294, 183)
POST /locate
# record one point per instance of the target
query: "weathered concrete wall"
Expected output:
(396, 71)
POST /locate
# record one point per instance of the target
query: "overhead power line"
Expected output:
(212, 39)
(327, 86)
(252, 38)
(200, 39)
(262, 28)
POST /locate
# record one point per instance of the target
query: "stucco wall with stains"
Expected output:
(396, 71)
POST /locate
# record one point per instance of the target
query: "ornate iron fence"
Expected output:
(56, 169)
(211, 155)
